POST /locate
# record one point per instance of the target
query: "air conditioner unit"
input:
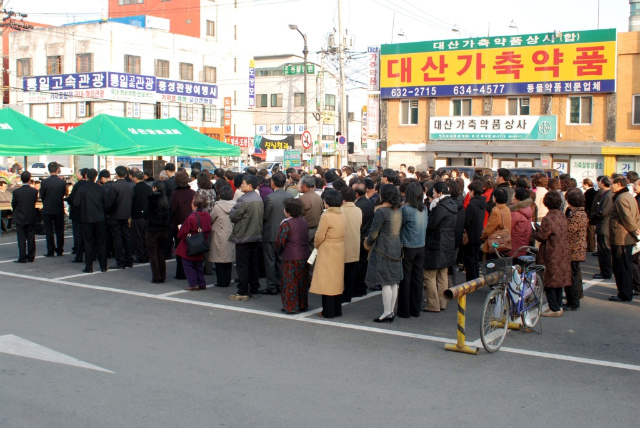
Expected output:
(414, 103)
(524, 102)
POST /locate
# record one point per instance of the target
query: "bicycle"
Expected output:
(515, 295)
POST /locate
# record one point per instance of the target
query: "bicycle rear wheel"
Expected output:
(495, 319)
(531, 316)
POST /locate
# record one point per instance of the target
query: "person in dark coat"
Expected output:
(120, 199)
(273, 217)
(93, 203)
(600, 214)
(23, 203)
(439, 246)
(456, 192)
(636, 256)
(181, 199)
(473, 225)
(577, 223)
(554, 253)
(366, 206)
(385, 250)
(157, 216)
(52, 193)
(589, 197)
(74, 216)
(141, 192)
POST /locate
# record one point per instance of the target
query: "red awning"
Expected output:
(261, 156)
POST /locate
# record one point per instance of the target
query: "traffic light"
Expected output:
(350, 147)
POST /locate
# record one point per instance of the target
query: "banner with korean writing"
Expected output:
(291, 70)
(186, 92)
(292, 158)
(252, 83)
(238, 141)
(540, 128)
(373, 63)
(547, 63)
(276, 142)
(227, 116)
(373, 115)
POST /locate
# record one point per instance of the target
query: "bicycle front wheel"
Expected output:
(495, 319)
(531, 316)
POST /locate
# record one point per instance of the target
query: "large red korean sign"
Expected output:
(548, 63)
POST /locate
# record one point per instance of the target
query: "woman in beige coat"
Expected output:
(328, 273)
(222, 252)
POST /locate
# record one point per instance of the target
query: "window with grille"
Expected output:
(23, 67)
(162, 68)
(210, 74)
(84, 63)
(54, 64)
(132, 64)
(186, 71)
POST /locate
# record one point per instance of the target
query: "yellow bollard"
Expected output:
(461, 346)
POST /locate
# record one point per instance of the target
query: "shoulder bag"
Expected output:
(196, 242)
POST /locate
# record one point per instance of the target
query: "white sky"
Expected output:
(374, 22)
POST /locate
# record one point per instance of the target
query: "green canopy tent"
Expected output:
(23, 136)
(122, 136)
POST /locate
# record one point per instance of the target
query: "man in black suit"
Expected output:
(52, 193)
(120, 200)
(23, 204)
(366, 205)
(170, 183)
(93, 203)
(74, 216)
(140, 194)
(273, 216)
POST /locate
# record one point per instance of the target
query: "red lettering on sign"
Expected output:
(542, 58)
(468, 59)
(590, 61)
(509, 63)
(431, 65)
(405, 69)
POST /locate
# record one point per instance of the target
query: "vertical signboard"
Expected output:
(373, 109)
(365, 130)
(252, 83)
(373, 61)
(227, 115)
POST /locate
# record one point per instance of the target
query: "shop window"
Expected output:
(518, 106)
(461, 107)
(580, 110)
(409, 112)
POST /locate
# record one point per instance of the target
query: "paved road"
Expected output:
(158, 356)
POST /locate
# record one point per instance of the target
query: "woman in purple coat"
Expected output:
(292, 243)
(194, 265)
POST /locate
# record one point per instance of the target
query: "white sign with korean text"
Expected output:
(373, 62)
(586, 167)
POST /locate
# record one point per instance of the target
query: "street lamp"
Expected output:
(514, 25)
(305, 52)
(455, 29)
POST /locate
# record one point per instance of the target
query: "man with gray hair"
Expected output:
(312, 205)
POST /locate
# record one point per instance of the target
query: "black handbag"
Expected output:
(196, 242)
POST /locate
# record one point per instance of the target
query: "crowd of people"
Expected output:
(339, 233)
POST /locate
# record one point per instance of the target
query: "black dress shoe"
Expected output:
(116, 267)
(77, 261)
(375, 288)
(141, 261)
(268, 292)
(104, 270)
(87, 270)
(20, 261)
(600, 276)
(618, 299)
(48, 254)
(570, 308)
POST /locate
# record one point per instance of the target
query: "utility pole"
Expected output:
(320, 107)
(343, 92)
(8, 20)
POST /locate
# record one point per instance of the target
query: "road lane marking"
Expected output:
(14, 345)
(326, 322)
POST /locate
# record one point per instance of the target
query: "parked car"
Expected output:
(186, 161)
(39, 169)
(469, 170)
(550, 172)
(269, 166)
